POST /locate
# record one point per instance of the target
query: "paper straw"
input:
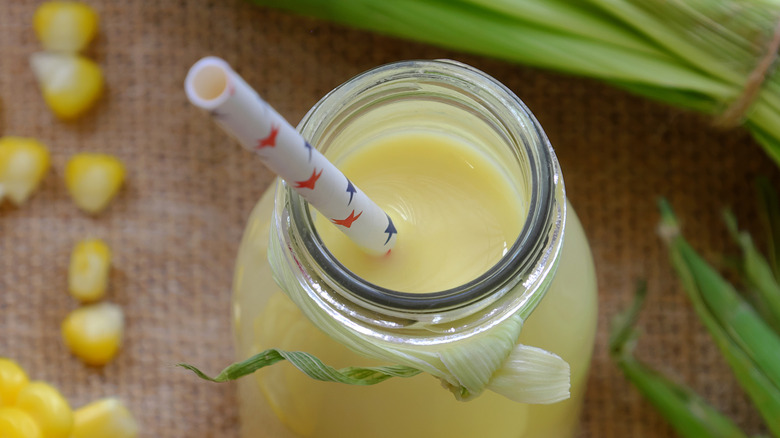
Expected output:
(213, 86)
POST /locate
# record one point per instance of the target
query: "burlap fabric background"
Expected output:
(176, 226)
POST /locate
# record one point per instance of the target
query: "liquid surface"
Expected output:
(455, 214)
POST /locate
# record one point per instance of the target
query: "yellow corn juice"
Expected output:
(456, 215)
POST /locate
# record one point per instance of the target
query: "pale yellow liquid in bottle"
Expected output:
(486, 215)
(455, 215)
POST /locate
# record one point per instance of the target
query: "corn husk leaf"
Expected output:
(748, 344)
(309, 365)
(689, 414)
(769, 212)
(758, 276)
(704, 55)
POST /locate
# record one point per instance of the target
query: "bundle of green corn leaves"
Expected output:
(745, 327)
(713, 56)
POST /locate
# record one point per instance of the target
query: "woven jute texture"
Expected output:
(176, 225)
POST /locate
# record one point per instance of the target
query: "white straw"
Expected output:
(213, 86)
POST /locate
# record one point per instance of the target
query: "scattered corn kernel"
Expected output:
(88, 272)
(65, 25)
(12, 380)
(23, 164)
(71, 84)
(93, 180)
(104, 418)
(48, 408)
(94, 332)
(16, 423)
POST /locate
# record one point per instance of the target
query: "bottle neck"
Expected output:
(436, 96)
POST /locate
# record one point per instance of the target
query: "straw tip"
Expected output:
(207, 83)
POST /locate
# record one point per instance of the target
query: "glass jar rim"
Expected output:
(519, 260)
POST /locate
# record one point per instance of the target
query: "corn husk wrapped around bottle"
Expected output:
(492, 360)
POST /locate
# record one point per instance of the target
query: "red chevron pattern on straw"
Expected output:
(309, 183)
(270, 140)
(213, 86)
(348, 221)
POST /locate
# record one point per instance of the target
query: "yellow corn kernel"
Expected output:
(90, 262)
(71, 84)
(93, 180)
(12, 380)
(48, 408)
(94, 332)
(66, 26)
(104, 418)
(16, 423)
(23, 164)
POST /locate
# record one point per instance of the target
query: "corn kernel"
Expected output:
(93, 180)
(88, 272)
(16, 423)
(104, 418)
(23, 164)
(94, 332)
(71, 84)
(65, 25)
(12, 380)
(48, 408)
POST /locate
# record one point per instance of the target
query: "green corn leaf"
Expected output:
(731, 312)
(757, 273)
(622, 335)
(525, 39)
(309, 365)
(746, 345)
(696, 54)
(689, 414)
(769, 212)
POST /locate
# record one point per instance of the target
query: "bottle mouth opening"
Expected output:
(496, 111)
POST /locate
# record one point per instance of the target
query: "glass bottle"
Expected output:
(547, 275)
